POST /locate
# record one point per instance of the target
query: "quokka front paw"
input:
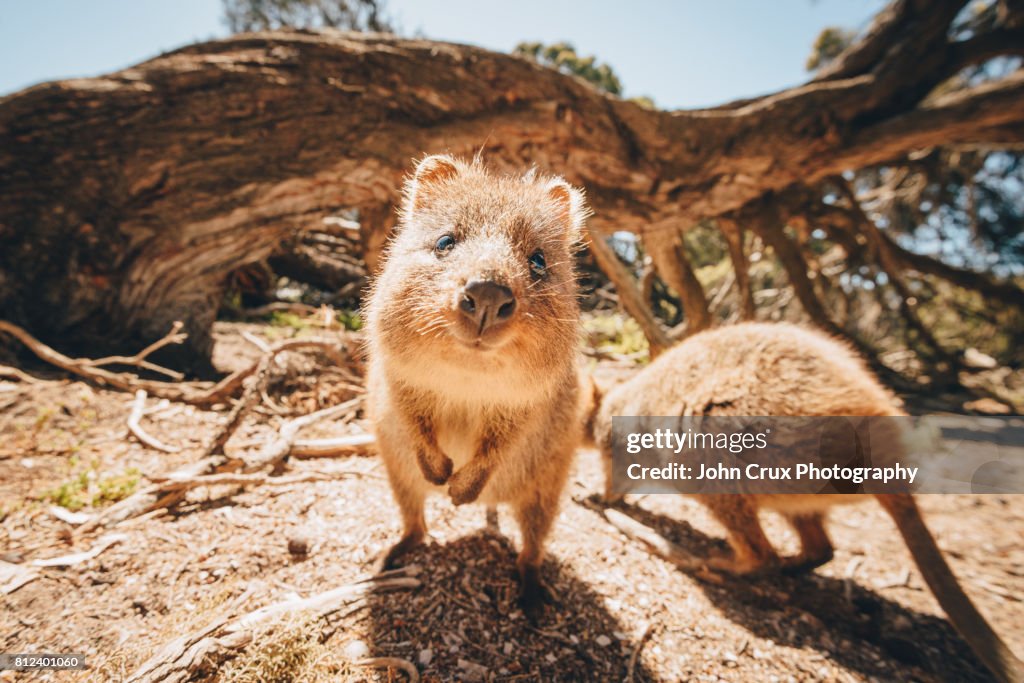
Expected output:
(466, 484)
(436, 467)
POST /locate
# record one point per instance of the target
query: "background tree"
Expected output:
(264, 15)
(563, 56)
(125, 202)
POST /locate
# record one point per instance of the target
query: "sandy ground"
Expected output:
(865, 616)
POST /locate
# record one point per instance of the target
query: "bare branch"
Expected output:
(629, 295)
(672, 263)
(733, 234)
(138, 410)
(972, 115)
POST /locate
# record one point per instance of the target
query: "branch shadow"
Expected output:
(828, 614)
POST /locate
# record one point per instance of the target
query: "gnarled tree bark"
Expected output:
(125, 200)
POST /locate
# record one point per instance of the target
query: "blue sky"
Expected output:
(683, 53)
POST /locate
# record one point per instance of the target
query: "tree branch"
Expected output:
(974, 115)
(629, 295)
(670, 260)
(734, 233)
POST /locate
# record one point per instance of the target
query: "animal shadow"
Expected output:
(828, 614)
(467, 615)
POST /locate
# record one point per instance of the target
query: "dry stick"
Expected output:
(655, 542)
(138, 410)
(22, 376)
(256, 341)
(631, 670)
(185, 657)
(403, 665)
(172, 488)
(175, 336)
(262, 370)
(196, 393)
(282, 306)
(352, 444)
(83, 368)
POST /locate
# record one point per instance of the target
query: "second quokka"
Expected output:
(779, 369)
(472, 328)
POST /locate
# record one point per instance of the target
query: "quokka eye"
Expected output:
(538, 266)
(446, 243)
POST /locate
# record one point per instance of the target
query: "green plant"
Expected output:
(350, 320)
(288, 319)
(89, 489)
(617, 334)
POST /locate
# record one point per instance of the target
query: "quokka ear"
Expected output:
(430, 173)
(572, 207)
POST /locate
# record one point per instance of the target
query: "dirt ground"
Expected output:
(620, 613)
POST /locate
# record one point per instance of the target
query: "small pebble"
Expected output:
(356, 649)
(603, 640)
(298, 545)
(425, 657)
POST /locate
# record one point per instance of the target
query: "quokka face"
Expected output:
(481, 267)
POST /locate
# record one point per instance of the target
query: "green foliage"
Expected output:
(644, 102)
(90, 489)
(829, 44)
(616, 334)
(288, 319)
(350, 320)
(705, 246)
(265, 15)
(563, 56)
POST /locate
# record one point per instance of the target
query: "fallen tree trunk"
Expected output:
(126, 200)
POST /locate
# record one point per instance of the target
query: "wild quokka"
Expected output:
(472, 328)
(755, 369)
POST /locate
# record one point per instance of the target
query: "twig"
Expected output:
(654, 542)
(352, 444)
(224, 432)
(284, 306)
(225, 638)
(196, 393)
(403, 665)
(631, 670)
(279, 448)
(138, 410)
(256, 341)
(21, 376)
(77, 558)
(175, 336)
(212, 470)
(83, 367)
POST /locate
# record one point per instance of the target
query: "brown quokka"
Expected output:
(472, 328)
(779, 369)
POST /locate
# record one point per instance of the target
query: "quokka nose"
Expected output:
(487, 303)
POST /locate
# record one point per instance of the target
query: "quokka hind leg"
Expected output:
(409, 492)
(815, 546)
(535, 514)
(751, 550)
(610, 496)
